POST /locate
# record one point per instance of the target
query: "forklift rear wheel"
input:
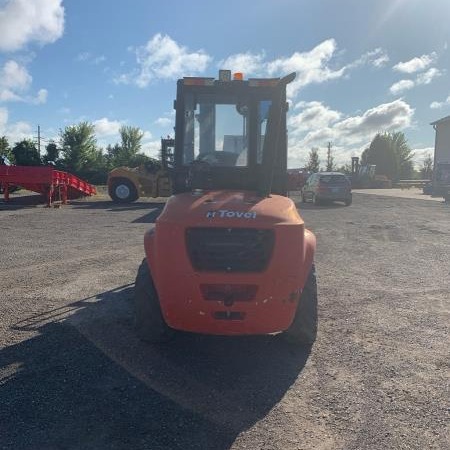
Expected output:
(303, 329)
(122, 190)
(149, 322)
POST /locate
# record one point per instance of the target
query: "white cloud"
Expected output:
(18, 131)
(90, 58)
(380, 61)
(314, 115)
(422, 78)
(377, 58)
(349, 135)
(428, 76)
(15, 82)
(99, 59)
(6, 95)
(163, 58)
(14, 132)
(416, 64)
(386, 117)
(41, 96)
(14, 76)
(248, 63)
(437, 105)
(83, 56)
(311, 67)
(401, 86)
(152, 148)
(106, 127)
(23, 22)
(420, 154)
(164, 122)
(3, 119)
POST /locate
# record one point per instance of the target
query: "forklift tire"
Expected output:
(122, 190)
(303, 329)
(348, 201)
(148, 319)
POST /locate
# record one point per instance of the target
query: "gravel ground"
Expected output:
(74, 376)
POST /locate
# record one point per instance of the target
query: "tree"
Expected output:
(26, 154)
(5, 150)
(330, 160)
(345, 168)
(78, 147)
(403, 154)
(126, 153)
(427, 168)
(131, 140)
(52, 153)
(313, 164)
(391, 154)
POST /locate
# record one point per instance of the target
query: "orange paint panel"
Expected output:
(272, 305)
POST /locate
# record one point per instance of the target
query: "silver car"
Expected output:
(324, 187)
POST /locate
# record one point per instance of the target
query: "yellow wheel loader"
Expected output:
(126, 185)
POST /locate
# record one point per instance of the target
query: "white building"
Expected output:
(441, 169)
(442, 141)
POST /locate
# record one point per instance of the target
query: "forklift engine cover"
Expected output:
(229, 262)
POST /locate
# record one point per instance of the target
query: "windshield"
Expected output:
(216, 129)
(333, 179)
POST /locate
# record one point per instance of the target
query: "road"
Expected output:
(73, 375)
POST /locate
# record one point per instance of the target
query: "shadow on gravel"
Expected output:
(21, 201)
(326, 206)
(87, 382)
(108, 205)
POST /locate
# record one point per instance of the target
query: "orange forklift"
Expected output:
(229, 254)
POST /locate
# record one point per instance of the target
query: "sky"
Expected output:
(363, 66)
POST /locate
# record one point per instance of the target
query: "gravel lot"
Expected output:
(74, 376)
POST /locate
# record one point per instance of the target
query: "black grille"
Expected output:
(229, 249)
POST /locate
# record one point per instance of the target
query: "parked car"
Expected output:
(327, 187)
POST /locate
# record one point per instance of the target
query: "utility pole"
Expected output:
(330, 162)
(39, 140)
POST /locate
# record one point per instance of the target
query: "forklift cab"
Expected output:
(231, 134)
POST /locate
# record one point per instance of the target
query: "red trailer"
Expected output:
(51, 183)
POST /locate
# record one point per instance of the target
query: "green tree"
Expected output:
(79, 147)
(403, 155)
(131, 138)
(97, 172)
(126, 153)
(313, 164)
(51, 153)
(426, 170)
(26, 154)
(5, 149)
(391, 154)
(345, 168)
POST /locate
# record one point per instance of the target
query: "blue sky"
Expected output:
(363, 65)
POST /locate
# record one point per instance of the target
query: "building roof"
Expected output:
(444, 119)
